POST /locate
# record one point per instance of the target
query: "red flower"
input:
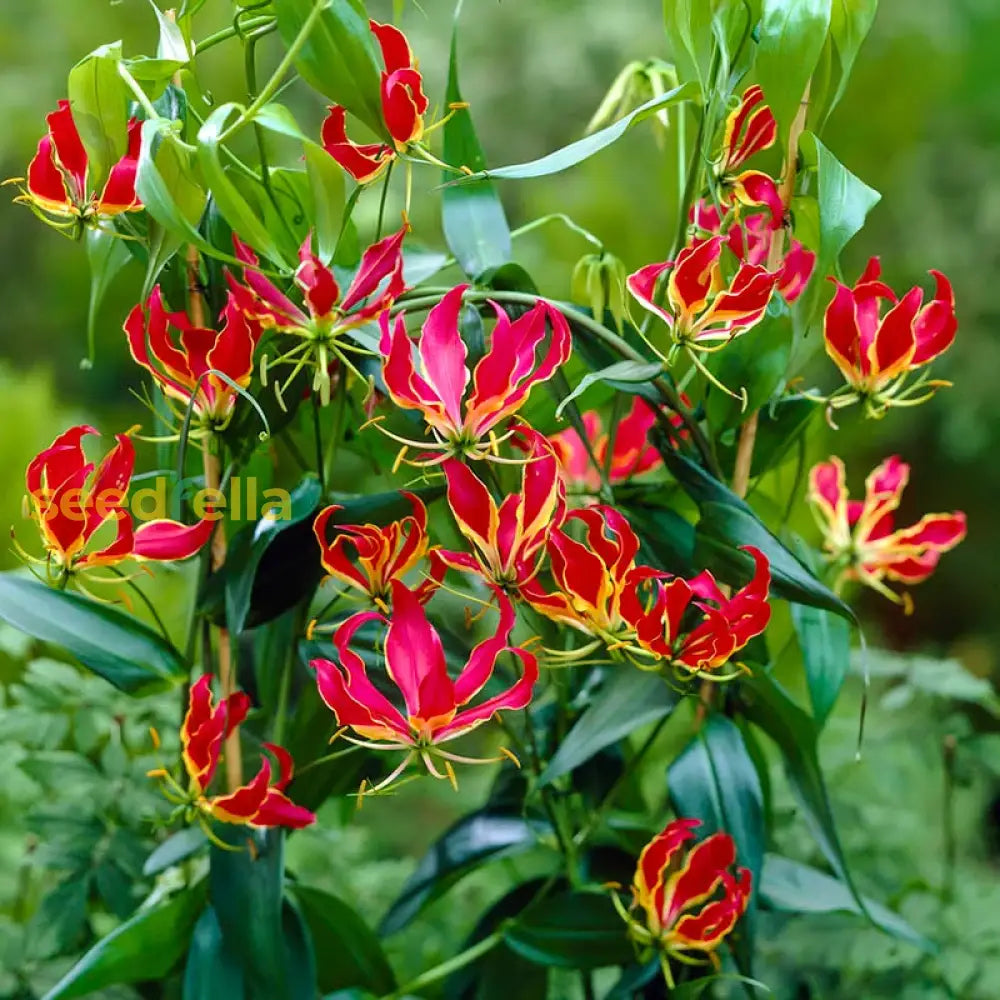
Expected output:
(507, 540)
(691, 897)
(501, 381)
(325, 316)
(631, 454)
(750, 129)
(59, 181)
(702, 310)
(403, 107)
(381, 554)
(693, 625)
(860, 536)
(750, 240)
(188, 373)
(260, 802)
(72, 501)
(435, 711)
(876, 352)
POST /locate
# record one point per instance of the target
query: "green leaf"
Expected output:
(624, 375)
(147, 946)
(583, 149)
(628, 699)
(473, 841)
(171, 44)
(211, 971)
(825, 641)
(797, 888)
(850, 22)
(300, 955)
(667, 539)
(97, 97)
(472, 215)
(326, 185)
(58, 922)
(234, 208)
(107, 254)
(714, 779)
(339, 57)
(347, 951)
(574, 930)
(112, 644)
(688, 24)
(791, 38)
(175, 848)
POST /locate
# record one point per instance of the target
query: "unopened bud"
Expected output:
(599, 282)
(640, 81)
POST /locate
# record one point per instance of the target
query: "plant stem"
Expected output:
(446, 968)
(231, 32)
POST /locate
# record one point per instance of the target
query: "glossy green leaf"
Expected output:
(574, 930)
(347, 951)
(114, 645)
(624, 375)
(791, 37)
(714, 779)
(300, 955)
(583, 149)
(339, 57)
(798, 888)
(107, 254)
(175, 848)
(473, 841)
(850, 22)
(147, 946)
(667, 539)
(825, 641)
(326, 185)
(97, 97)
(211, 971)
(628, 699)
(688, 24)
(472, 215)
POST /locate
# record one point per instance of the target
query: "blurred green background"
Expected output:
(920, 123)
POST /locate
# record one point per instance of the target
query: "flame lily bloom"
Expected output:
(501, 381)
(631, 454)
(187, 373)
(71, 501)
(875, 353)
(860, 537)
(690, 897)
(403, 107)
(59, 183)
(507, 540)
(435, 711)
(721, 625)
(259, 803)
(382, 554)
(326, 316)
(750, 240)
(750, 129)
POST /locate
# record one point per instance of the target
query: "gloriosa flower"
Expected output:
(434, 704)
(403, 107)
(750, 240)
(501, 381)
(631, 453)
(381, 554)
(750, 129)
(875, 353)
(507, 540)
(259, 803)
(860, 537)
(326, 315)
(59, 184)
(188, 373)
(690, 897)
(71, 501)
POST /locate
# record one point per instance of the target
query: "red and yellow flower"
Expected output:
(403, 106)
(690, 898)
(507, 540)
(381, 554)
(750, 129)
(860, 537)
(434, 711)
(59, 182)
(326, 316)
(463, 425)
(191, 373)
(81, 510)
(875, 352)
(259, 803)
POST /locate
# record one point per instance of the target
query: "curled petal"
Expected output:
(363, 162)
(165, 540)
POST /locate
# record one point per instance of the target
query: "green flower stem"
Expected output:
(140, 95)
(274, 83)
(446, 968)
(566, 221)
(210, 41)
